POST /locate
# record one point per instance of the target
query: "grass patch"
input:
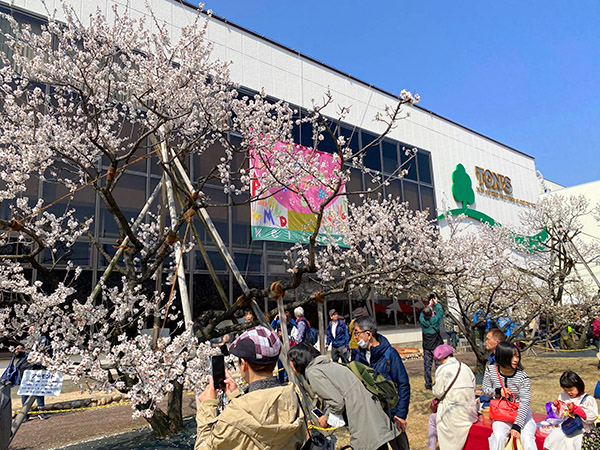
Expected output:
(544, 373)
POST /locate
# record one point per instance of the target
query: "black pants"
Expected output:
(427, 363)
(400, 442)
(338, 352)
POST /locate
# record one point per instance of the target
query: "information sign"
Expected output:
(41, 382)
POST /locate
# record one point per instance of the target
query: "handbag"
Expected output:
(573, 424)
(503, 409)
(435, 402)
(317, 441)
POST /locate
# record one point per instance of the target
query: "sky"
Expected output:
(524, 73)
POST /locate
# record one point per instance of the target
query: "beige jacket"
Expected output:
(260, 420)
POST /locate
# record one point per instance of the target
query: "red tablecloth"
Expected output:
(482, 430)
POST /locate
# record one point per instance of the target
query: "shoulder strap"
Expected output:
(451, 384)
(499, 377)
(582, 399)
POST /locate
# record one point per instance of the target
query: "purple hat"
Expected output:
(332, 312)
(442, 351)
(257, 345)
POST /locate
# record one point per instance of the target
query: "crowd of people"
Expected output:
(269, 412)
(341, 398)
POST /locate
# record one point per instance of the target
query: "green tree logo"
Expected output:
(462, 189)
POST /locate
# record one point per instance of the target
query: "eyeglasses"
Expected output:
(357, 332)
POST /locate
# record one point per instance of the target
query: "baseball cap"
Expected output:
(332, 312)
(360, 311)
(257, 345)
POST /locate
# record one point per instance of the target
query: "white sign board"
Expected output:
(41, 382)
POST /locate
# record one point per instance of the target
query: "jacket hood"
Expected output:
(379, 351)
(269, 416)
(323, 359)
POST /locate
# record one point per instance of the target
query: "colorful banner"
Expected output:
(283, 215)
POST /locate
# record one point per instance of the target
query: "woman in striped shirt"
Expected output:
(514, 379)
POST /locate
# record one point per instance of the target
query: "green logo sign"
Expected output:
(462, 191)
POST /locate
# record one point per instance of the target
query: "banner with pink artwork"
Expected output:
(287, 214)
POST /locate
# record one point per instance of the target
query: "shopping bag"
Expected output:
(513, 444)
(503, 409)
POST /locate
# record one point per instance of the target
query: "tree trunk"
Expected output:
(175, 407)
(480, 353)
(161, 424)
(164, 425)
(573, 342)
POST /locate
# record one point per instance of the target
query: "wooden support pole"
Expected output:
(321, 312)
(21, 417)
(212, 231)
(181, 281)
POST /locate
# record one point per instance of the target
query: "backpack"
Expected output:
(312, 334)
(379, 386)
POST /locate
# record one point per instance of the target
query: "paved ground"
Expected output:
(66, 428)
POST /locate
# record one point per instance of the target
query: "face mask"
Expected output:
(362, 344)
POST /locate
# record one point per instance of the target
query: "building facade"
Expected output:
(503, 178)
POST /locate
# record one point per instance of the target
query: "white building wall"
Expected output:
(285, 74)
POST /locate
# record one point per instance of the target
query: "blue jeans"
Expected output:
(452, 339)
(39, 399)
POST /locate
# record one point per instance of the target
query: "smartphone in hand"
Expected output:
(317, 412)
(218, 371)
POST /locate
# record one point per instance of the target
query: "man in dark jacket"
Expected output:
(375, 351)
(337, 337)
(14, 374)
(431, 320)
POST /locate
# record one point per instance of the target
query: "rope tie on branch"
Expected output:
(277, 290)
(243, 300)
(189, 214)
(110, 175)
(15, 225)
(121, 245)
(171, 237)
(319, 297)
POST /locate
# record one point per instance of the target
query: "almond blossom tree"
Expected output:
(562, 267)
(84, 102)
(477, 266)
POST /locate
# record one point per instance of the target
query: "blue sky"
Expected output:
(525, 73)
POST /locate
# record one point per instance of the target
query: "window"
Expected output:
(427, 201)
(351, 135)
(411, 194)
(371, 157)
(248, 262)
(424, 167)
(390, 157)
(410, 165)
